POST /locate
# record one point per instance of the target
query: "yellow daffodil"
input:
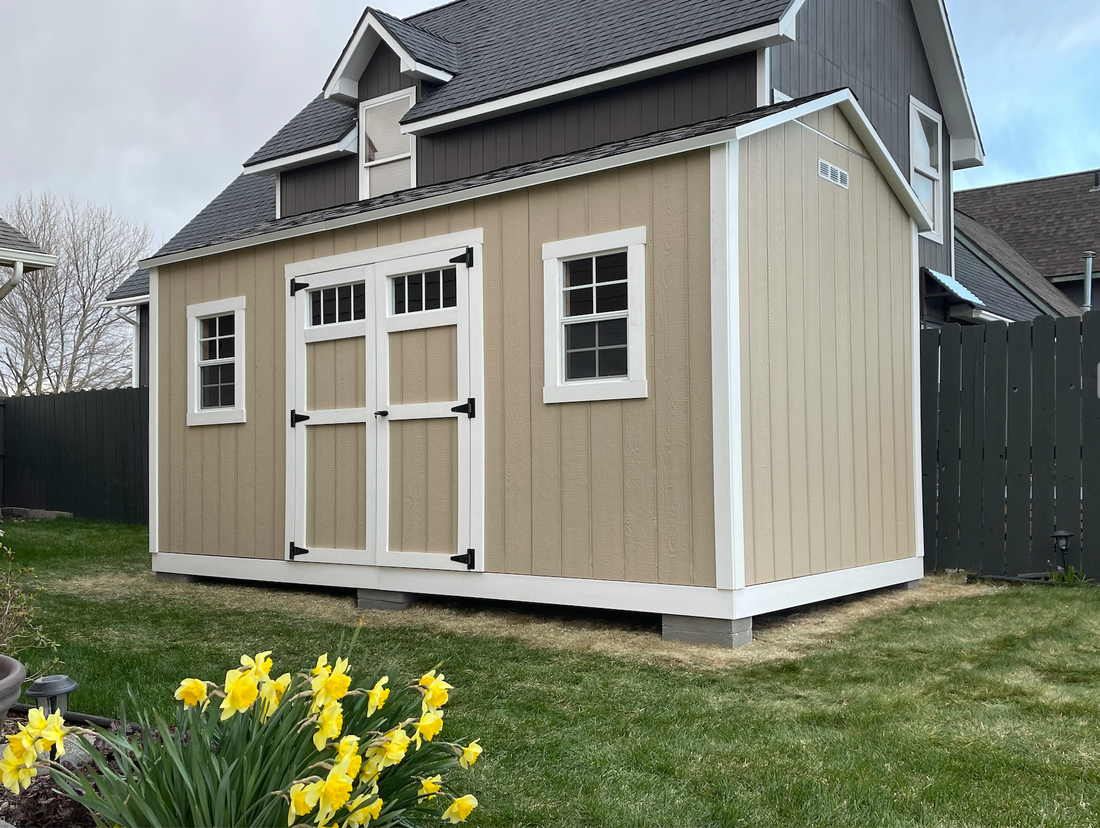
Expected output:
(330, 684)
(191, 692)
(470, 754)
(429, 726)
(36, 722)
(335, 791)
(430, 787)
(303, 799)
(435, 692)
(240, 692)
(372, 763)
(377, 695)
(53, 734)
(397, 742)
(348, 745)
(15, 775)
(260, 666)
(360, 816)
(460, 808)
(322, 660)
(271, 692)
(329, 724)
(22, 747)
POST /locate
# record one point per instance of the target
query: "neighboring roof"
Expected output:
(998, 295)
(247, 202)
(422, 44)
(231, 233)
(321, 123)
(974, 234)
(135, 287)
(12, 239)
(1050, 222)
(508, 46)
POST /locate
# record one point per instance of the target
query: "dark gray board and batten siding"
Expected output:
(318, 186)
(874, 48)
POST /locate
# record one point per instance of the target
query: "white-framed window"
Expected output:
(594, 317)
(215, 362)
(336, 304)
(387, 157)
(926, 162)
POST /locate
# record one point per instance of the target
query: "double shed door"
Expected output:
(384, 444)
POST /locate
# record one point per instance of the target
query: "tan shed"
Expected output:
(675, 375)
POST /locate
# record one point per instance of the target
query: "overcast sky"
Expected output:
(151, 107)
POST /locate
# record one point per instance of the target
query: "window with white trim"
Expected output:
(386, 155)
(215, 362)
(594, 317)
(342, 303)
(926, 162)
(432, 290)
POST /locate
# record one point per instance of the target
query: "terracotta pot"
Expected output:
(12, 676)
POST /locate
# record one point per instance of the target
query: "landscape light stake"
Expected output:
(1061, 544)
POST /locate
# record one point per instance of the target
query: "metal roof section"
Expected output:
(15, 247)
(955, 288)
(222, 228)
(136, 286)
(322, 123)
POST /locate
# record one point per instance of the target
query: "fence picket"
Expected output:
(1018, 517)
(947, 530)
(1090, 444)
(972, 445)
(993, 461)
(929, 406)
(1042, 440)
(1067, 451)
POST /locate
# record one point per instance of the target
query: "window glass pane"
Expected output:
(210, 375)
(315, 300)
(931, 142)
(359, 310)
(399, 294)
(612, 362)
(580, 365)
(343, 303)
(611, 297)
(226, 373)
(227, 396)
(208, 349)
(384, 138)
(431, 290)
(389, 178)
(209, 328)
(612, 332)
(611, 267)
(225, 325)
(416, 296)
(925, 189)
(578, 302)
(582, 335)
(225, 347)
(328, 313)
(450, 286)
(578, 272)
(210, 396)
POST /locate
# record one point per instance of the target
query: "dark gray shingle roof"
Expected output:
(224, 219)
(508, 46)
(1016, 265)
(247, 202)
(999, 297)
(12, 239)
(422, 45)
(321, 123)
(1051, 222)
(135, 286)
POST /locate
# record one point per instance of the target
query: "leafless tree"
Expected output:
(54, 336)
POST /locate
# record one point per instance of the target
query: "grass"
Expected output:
(893, 710)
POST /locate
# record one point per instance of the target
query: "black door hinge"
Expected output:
(296, 418)
(295, 551)
(468, 408)
(296, 286)
(467, 558)
(466, 258)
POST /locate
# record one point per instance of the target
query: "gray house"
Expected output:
(629, 324)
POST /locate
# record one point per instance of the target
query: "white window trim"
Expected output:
(364, 166)
(633, 385)
(197, 416)
(916, 108)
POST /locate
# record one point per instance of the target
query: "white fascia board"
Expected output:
(128, 302)
(751, 40)
(343, 83)
(947, 74)
(787, 21)
(30, 260)
(348, 145)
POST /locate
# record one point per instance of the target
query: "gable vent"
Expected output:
(831, 172)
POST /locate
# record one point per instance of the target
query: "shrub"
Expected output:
(259, 749)
(18, 632)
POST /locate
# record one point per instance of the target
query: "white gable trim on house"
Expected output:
(348, 145)
(30, 259)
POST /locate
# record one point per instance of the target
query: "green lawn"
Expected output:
(979, 711)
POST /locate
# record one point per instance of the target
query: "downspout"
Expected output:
(16, 278)
(134, 379)
(1087, 306)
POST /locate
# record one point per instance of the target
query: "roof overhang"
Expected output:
(127, 302)
(772, 34)
(943, 59)
(955, 288)
(348, 145)
(343, 82)
(30, 260)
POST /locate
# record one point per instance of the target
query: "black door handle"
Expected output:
(382, 413)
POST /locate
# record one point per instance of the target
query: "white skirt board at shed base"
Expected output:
(379, 564)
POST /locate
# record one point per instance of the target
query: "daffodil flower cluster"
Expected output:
(322, 749)
(22, 756)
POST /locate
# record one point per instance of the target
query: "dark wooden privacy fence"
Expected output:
(86, 452)
(1010, 422)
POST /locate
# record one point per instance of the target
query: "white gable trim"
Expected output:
(348, 145)
(343, 83)
(30, 259)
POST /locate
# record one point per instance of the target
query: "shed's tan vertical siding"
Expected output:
(615, 490)
(826, 318)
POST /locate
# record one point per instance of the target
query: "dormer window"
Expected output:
(388, 163)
